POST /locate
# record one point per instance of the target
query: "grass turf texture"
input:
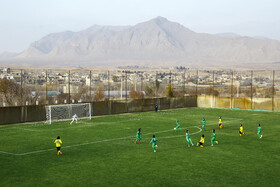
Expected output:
(101, 152)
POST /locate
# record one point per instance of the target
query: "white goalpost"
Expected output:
(60, 112)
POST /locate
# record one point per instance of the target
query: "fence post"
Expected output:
(90, 98)
(126, 91)
(184, 85)
(142, 84)
(156, 84)
(47, 87)
(213, 81)
(231, 90)
(170, 79)
(213, 89)
(196, 83)
(273, 77)
(69, 95)
(108, 85)
(121, 85)
(252, 89)
(21, 89)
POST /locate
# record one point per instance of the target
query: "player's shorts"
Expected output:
(57, 148)
(220, 124)
(200, 143)
(240, 132)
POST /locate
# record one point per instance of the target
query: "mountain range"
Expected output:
(157, 42)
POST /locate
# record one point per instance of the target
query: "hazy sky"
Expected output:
(25, 21)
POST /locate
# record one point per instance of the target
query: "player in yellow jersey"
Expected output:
(201, 142)
(241, 132)
(58, 143)
(220, 122)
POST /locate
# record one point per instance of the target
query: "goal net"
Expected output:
(60, 112)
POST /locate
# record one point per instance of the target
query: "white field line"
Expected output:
(22, 128)
(74, 125)
(182, 134)
(107, 140)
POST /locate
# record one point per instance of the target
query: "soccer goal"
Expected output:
(60, 112)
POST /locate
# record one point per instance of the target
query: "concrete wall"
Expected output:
(9, 115)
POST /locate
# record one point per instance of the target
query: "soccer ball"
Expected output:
(156, 145)
(174, 128)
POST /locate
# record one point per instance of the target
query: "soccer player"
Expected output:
(58, 143)
(203, 124)
(138, 136)
(259, 131)
(178, 126)
(189, 140)
(201, 142)
(241, 132)
(156, 107)
(213, 140)
(220, 122)
(74, 118)
(154, 143)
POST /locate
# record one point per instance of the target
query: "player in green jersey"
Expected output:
(154, 143)
(203, 124)
(259, 131)
(138, 136)
(213, 139)
(189, 140)
(178, 126)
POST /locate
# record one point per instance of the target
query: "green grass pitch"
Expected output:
(101, 151)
